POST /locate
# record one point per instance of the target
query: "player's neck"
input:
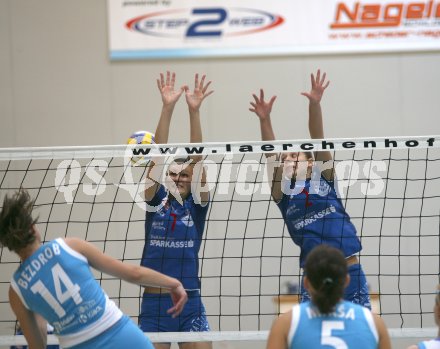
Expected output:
(26, 252)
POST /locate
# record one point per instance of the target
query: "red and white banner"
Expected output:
(202, 28)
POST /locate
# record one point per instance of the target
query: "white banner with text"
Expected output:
(209, 28)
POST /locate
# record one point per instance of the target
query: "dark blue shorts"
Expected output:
(356, 291)
(154, 317)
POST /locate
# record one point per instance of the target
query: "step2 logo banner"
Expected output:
(142, 29)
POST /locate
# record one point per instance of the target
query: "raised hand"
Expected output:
(318, 86)
(195, 98)
(166, 89)
(261, 107)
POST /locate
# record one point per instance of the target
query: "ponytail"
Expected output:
(16, 221)
(326, 269)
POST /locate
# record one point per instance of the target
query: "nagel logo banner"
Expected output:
(203, 28)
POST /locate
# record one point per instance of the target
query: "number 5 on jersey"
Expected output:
(326, 334)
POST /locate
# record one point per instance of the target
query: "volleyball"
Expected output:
(141, 137)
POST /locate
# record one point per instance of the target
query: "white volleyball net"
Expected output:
(249, 266)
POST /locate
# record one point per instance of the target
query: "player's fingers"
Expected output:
(178, 307)
(196, 81)
(158, 85)
(323, 79)
(172, 311)
(202, 82)
(173, 79)
(318, 76)
(312, 79)
(207, 85)
(208, 94)
(261, 94)
(162, 81)
(306, 94)
(326, 85)
(168, 78)
(255, 97)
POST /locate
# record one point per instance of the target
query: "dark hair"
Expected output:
(309, 155)
(326, 269)
(16, 221)
(181, 160)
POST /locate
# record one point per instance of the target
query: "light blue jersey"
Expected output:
(432, 344)
(57, 283)
(350, 326)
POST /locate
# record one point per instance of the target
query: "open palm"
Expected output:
(261, 107)
(166, 87)
(318, 87)
(195, 98)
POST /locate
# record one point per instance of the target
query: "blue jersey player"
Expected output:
(304, 189)
(175, 220)
(327, 321)
(54, 284)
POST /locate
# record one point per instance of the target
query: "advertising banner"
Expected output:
(141, 29)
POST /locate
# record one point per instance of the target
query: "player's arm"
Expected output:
(170, 96)
(34, 327)
(316, 124)
(278, 335)
(263, 109)
(384, 338)
(194, 100)
(131, 273)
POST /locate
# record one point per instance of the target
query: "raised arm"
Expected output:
(194, 100)
(316, 125)
(131, 273)
(263, 109)
(170, 96)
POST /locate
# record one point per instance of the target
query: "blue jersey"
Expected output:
(173, 235)
(316, 216)
(57, 283)
(350, 326)
(431, 344)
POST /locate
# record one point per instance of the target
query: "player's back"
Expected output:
(56, 282)
(350, 326)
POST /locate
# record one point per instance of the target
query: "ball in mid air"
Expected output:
(140, 137)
